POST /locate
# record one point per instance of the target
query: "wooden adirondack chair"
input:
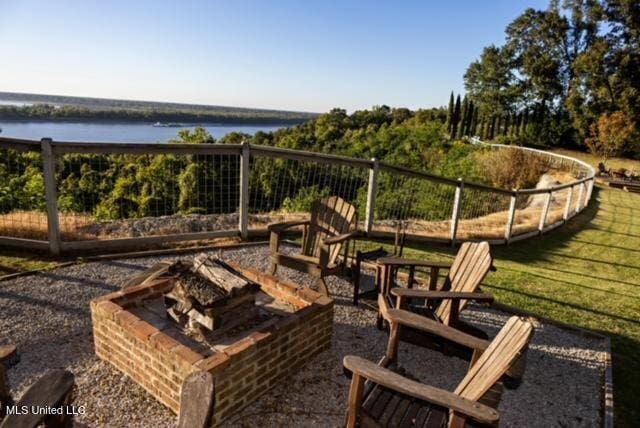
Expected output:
(197, 400)
(444, 304)
(390, 399)
(54, 389)
(326, 233)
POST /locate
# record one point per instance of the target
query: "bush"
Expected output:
(304, 199)
(611, 135)
(511, 169)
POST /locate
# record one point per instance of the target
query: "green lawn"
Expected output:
(586, 273)
(594, 160)
(20, 261)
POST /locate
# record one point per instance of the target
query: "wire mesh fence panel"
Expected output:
(418, 206)
(22, 196)
(526, 218)
(185, 190)
(557, 205)
(285, 189)
(483, 214)
(105, 196)
(577, 199)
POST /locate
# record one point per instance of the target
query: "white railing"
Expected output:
(117, 195)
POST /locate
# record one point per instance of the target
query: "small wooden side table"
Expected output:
(364, 256)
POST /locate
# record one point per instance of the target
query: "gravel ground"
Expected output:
(47, 316)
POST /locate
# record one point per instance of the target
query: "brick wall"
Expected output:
(243, 371)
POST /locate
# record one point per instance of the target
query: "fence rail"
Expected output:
(70, 196)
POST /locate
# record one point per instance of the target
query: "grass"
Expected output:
(33, 225)
(594, 160)
(12, 261)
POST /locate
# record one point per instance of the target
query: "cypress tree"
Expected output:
(474, 122)
(492, 129)
(513, 120)
(456, 118)
(525, 121)
(450, 113)
(469, 122)
(464, 122)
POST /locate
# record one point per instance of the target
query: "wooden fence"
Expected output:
(238, 188)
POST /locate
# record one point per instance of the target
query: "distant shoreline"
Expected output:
(186, 124)
(40, 107)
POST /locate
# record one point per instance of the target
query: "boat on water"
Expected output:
(167, 125)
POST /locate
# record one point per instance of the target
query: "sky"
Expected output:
(291, 54)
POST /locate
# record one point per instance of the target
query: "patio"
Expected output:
(47, 316)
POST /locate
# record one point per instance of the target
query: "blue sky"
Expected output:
(296, 55)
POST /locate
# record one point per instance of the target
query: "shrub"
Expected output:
(511, 169)
(611, 135)
(304, 199)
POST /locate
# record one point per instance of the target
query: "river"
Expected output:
(116, 131)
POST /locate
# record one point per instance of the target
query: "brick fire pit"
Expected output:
(158, 356)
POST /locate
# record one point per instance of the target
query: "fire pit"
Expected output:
(247, 328)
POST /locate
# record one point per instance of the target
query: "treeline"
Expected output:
(464, 120)
(565, 75)
(69, 112)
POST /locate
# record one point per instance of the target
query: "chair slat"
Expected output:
(330, 216)
(390, 409)
(409, 418)
(437, 418)
(469, 268)
(503, 351)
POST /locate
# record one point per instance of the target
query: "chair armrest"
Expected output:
(341, 238)
(399, 261)
(279, 227)
(409, 319)
(441, 295)
(51, 390)
(439, 397)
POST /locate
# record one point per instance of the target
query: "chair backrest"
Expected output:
(471, 265)
(499, 356)
(330, 216)
(197, 401)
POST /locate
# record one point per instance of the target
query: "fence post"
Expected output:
(455, 214)
(243, 211)
(580, 198)
(587, 197)
(567, 207)
(545, 211)
(49, 175)
(372, 191)
(512, 216)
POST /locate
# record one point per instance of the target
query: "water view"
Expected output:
(118, 131)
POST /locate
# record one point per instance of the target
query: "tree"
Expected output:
(455, 118)
(490, 81)
(557, 63)
(611, 135)
(450, 113)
